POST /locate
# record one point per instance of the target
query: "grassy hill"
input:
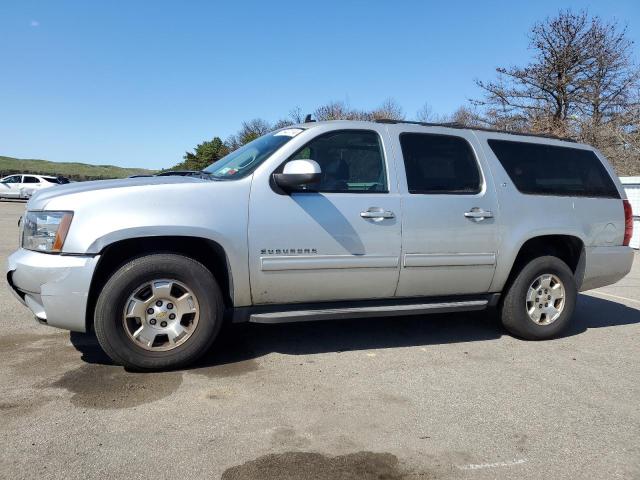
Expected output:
(74, 171)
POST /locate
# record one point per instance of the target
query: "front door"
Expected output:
(339, 240)
(450, 213)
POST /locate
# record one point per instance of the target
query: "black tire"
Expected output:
(108, 322)
(513, 311)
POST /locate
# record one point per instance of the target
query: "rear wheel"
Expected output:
(158, 311)
(540, 301)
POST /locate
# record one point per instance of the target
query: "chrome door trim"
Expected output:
(322, 262)
(448, 260)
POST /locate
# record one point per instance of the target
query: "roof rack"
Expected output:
(482, 129)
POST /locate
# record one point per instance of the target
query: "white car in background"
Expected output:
(23, 186)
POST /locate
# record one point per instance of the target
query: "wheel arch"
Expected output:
(569, 248)
(208, 252)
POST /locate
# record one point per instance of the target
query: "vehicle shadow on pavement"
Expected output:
(595, 312)
(241, 343)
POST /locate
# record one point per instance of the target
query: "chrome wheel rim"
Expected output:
(161, 314)
(545, 299)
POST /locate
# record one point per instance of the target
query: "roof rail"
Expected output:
(482, 129)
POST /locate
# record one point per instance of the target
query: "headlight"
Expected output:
(45, 231)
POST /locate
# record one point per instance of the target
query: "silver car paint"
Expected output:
(597, 222)
(109, 211)
(54, 287)
(349, 257)
(443, 251)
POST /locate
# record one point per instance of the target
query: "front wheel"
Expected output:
(540, 301)
(158, 311)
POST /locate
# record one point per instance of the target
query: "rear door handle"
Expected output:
(377, 214)
(478, 214)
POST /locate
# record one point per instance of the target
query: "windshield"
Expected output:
(243, 161)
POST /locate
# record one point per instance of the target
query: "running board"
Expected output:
(367, 311)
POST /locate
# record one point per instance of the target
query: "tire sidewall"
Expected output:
(514, 314)
(111, 303)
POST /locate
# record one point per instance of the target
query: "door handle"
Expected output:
(478, 214)
(377, 214)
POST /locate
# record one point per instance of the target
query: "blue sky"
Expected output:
(136, 83)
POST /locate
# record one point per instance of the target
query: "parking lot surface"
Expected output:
(434, 397)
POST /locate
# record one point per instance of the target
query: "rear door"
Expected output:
(450, 213)
(30, 184)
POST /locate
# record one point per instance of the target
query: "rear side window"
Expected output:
(28, 179)
(439, 164)
(550, 170)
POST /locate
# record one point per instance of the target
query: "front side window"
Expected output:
(12, 179)
(439, 164)
(246, 159)
(540, 169)
(350, 161)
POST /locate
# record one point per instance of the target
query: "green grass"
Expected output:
(74, 171)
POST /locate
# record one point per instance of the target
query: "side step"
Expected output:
(367, 311)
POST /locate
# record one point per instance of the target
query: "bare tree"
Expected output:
(296, 115)
(580, 83)
(466, 116)
(389, 109)
(612, 77)
(550, 86)
(333, 111)
(426, 114)
(337, 110)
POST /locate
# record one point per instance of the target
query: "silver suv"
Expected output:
(327, 220)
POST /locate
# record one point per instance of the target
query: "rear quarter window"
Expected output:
(539, 169)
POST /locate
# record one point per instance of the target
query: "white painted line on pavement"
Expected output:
(615, 296)
(479, 466)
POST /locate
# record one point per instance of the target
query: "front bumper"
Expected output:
(54, 287)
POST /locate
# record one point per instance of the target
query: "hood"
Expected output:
(39, 200)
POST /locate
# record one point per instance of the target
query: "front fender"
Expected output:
(216, 211)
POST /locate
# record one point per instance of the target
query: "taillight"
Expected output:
(628, 223)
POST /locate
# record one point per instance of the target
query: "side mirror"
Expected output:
(297, 173)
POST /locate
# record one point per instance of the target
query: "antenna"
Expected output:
(308, 119)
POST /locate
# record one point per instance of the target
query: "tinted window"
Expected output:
(439, 164)
(549, 170)
(350, 160)
(51, 179)
(28, 179)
